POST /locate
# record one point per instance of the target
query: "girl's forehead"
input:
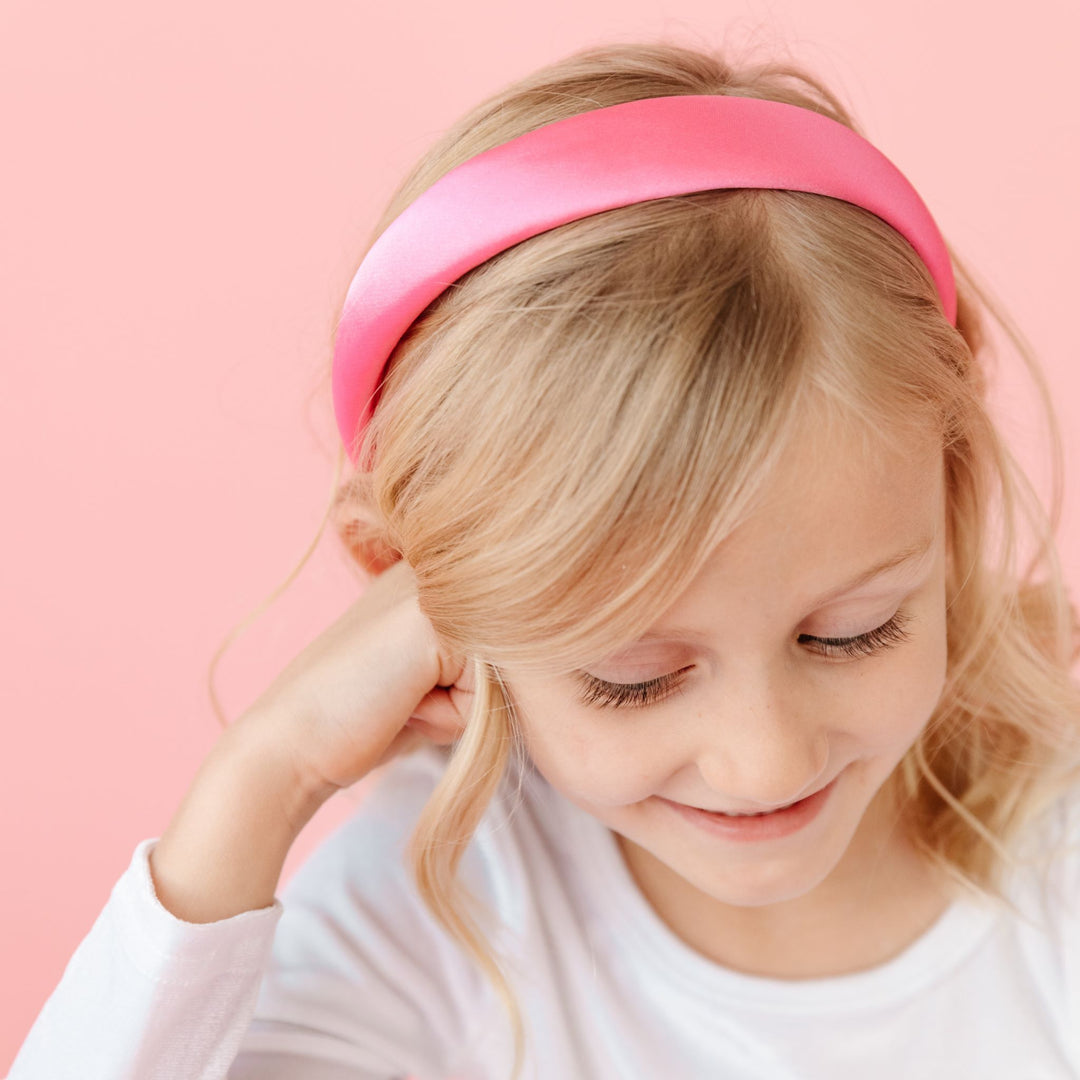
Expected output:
(830, 453)
(828, 511)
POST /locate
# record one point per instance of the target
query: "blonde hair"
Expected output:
(650, 365)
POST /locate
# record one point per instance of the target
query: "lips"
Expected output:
(760, 813)
(751, 829)
(743, 813)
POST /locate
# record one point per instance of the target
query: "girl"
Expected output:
(714, 731)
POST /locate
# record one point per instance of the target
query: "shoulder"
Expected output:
(1052, 843)
(518, 854)
(387, 807)
(1042, 888)
(524, 861)
(364, 859)
(1045, 887)
(1044, 877)
(359, 965)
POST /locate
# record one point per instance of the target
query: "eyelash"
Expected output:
(604, 695)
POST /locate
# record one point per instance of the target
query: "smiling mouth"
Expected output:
(754, 813)
(743, 813)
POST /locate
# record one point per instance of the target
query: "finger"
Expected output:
(422, 729)
(463, 680)
(453, 669)
(438, 710)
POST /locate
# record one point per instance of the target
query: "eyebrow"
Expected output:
(908, 554)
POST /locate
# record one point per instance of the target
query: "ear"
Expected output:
(363, 533)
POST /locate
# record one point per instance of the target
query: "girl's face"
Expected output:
(756, 709)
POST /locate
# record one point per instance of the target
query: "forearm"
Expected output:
(223, 851)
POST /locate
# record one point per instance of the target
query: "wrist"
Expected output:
(258, 747)
(223, 851)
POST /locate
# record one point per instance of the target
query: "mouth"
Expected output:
(744, 813)
(741, 827)
(754, 813)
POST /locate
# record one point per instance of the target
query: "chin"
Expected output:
(763, 884)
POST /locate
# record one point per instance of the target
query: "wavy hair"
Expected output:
(650, 364)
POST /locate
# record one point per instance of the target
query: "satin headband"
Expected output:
(586, 164)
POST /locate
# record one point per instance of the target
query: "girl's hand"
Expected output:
(370, 685)
(367, 687)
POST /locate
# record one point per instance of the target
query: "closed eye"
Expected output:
(885, 636)
(600, 694)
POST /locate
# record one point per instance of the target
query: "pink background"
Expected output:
(186, 190)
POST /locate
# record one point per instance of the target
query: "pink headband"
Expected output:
(586, 164)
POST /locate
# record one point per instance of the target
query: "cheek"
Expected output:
(905, 692)
(580, 755)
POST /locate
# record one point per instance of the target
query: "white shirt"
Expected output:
(347, 977)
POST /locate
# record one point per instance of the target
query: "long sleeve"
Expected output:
(147, 996)
(344, 977)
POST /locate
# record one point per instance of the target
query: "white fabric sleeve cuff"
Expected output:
(147, 996)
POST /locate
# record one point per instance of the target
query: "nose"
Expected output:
(758, 749)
